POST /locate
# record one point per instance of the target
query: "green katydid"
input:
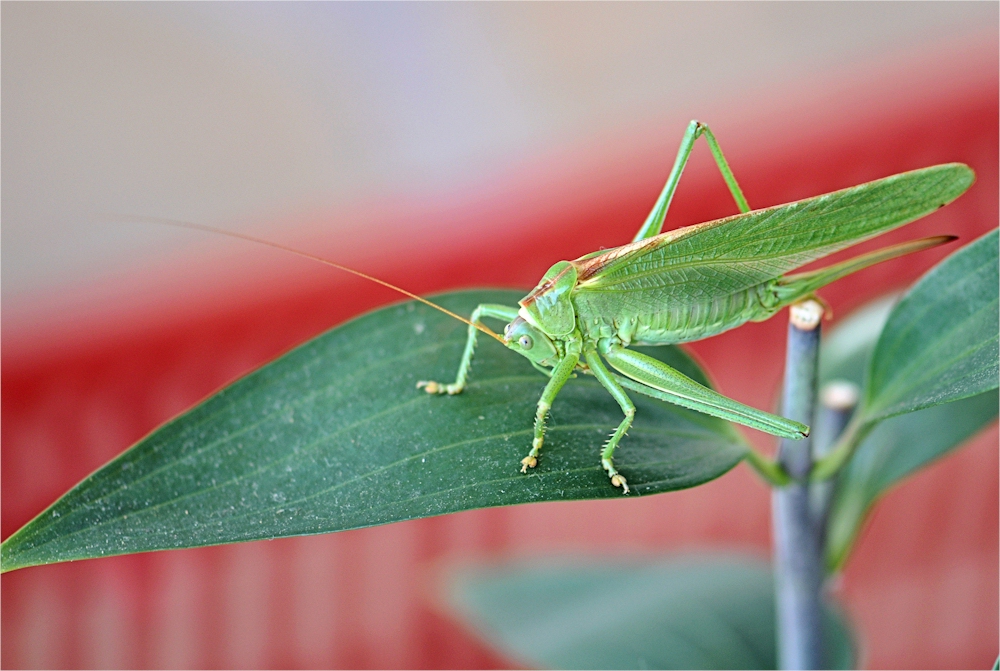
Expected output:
(684, 285)
(696, 282)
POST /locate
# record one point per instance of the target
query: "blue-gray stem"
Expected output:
(798, 555)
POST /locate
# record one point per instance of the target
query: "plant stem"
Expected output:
(797, 546)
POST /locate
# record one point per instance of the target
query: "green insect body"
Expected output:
(695, 282)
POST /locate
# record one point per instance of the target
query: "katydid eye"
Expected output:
(506, 330)
(525, 342)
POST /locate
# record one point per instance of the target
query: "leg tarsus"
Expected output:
(432, 387)
(541, 412)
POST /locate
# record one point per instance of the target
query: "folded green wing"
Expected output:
(728, 255)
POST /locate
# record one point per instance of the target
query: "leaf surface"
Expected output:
(690, 612)
(334, 435)
(940, 343)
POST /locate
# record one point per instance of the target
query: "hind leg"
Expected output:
(654, 222)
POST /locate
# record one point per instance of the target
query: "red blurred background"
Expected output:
(85, 377)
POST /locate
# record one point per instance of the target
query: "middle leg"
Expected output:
(608, 381)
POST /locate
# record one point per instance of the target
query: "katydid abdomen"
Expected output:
(652, 319)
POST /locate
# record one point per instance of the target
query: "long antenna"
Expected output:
(292, 250)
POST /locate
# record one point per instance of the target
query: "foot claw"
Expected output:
(439, 388)
(528, 462)
(618, 481)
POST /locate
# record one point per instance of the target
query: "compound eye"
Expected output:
(506, 330)
(525, 342)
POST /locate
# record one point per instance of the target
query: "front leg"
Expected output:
(507, 314)
(562, 372)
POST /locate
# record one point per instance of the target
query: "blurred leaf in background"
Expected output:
(710, 611)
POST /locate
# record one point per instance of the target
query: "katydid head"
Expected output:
(530, 342)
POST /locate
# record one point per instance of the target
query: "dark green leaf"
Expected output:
(334, 435)
(692, 612)
(940, 343)
(897, 446)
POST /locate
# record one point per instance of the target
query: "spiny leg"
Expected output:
(605, 378)
(654, 222)
(562, 372)
(486, 310)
